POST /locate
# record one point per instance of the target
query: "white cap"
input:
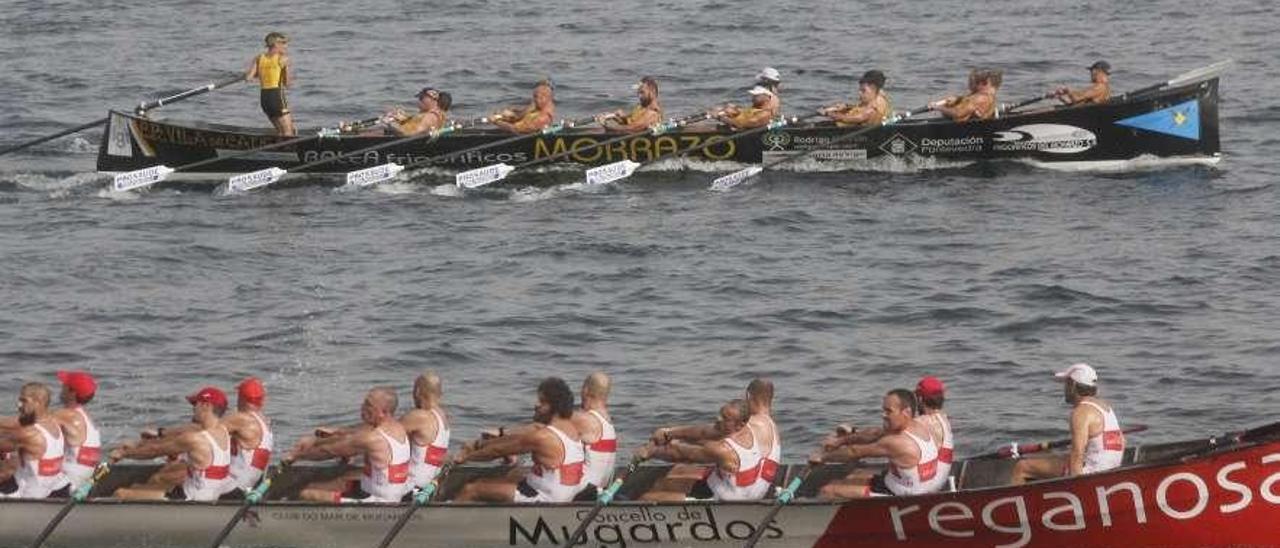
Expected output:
(1081, 373)
(769, 73)
(759, 90)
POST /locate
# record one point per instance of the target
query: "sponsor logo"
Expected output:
(641, 149)
(1181, 495)
(375, 157)
(776, 140)
(623, 527)
(898, 145)
(948, 145)
(1052, 138)
(834, 155)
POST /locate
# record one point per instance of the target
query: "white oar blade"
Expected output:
(1202, 73)
(611, 172)
(374, 175)
(479, 177)
(736, 178)
(140, 178)
(257, 179)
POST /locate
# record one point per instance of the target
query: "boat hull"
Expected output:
(1177, 123)
(1189, 494)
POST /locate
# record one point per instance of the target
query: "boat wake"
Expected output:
(56, 185)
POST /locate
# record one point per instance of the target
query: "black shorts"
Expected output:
(588, 494)
(273, 103)
(878, 486)
(10, 486)
(701, 491)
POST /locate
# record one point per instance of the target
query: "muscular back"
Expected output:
(73, 426)
(421, 426)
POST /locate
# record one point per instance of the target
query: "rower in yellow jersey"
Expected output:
(873, 107)
(643, 116)
(275, 72)
(433, 109)
(759, 114)
(532, 118)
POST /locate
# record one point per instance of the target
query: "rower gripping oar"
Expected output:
(738, 177)
(602, 500)
(251, 498)
(421, 498)
(1017, 450)
(77, 496)
(784, 497)
(142, 109)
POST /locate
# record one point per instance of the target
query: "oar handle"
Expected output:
(83, 491)
(1017, 450)
(144, 107)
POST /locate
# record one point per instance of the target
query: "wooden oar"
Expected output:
(602, 500)
(1008, 109)
(491, 174)
(142, 108)
(784, 497)
(1017, 450)
(738, 177)
(80, 494)
(251, 498)
(421, 498)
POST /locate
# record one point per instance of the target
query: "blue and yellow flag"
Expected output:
(1180, 120)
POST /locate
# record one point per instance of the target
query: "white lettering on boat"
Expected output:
(1009, 516)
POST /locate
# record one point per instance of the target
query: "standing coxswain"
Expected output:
(38, 440)
(553, 443)
(83, 439)
(1098, 92)
(979, 104)
(645, 114)
(906, 442)
(534, 117)
(872, 109)
(204, 455)
(274, 70)
(599, 438)
(1097, 443)
(381, 441)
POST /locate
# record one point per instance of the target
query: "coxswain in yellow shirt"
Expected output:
(274, 70)
(645, 115)
(979, 104)
(532, 118)
(873, 107)
(756, 115)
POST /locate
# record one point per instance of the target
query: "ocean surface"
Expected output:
(837, 286)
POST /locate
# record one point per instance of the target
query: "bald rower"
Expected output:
(428, 428)
(599, 438)
(380, 441)
(760, 421)
(730, 447)
(38, 440)
(905, 442)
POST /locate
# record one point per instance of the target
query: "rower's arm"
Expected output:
(526, 125)
(692, 433)
(713, 452)
(9, 425)
(641, 123)
(858, 115)
(252, 73)
(758, 118)
(286, 71)
(960, 111)
(334, 447)
(510, 444)
(1079, 439)
(882, 447)
(158, 447)
(1094, 93)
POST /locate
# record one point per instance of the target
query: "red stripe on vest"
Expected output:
(744, 478)
(946, 455)
(768, 470)
(261, 457)
(604, 446)
(435, 455)
(1113, 440)
(89, 456)
(212, 472)
(398, 473)
(571, 474)
(927, 470)
(49, 467)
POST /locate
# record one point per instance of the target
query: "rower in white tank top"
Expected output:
(743, 484)
(603, 454)
(81, 460)
(427, 460)
(558, 484)
(248, 465)
(208, 483)
(38, 478)
(1105, 450)
(946, 452)
(390, 483)
(919, 479)
(769, 466)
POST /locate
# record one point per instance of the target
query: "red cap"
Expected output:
(80, 383)
(251, 391)
(930, 387)
(211, 395)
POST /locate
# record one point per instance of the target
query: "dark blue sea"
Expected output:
(838, 286)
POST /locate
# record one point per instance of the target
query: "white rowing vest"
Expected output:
(769, 466)
(248, 465)
(427, 460)
(38, 477)
(744, 483)
(946, 452)
(209, 483)
(389, 483)
(603, 454)
(81, 460)
(918, 479)
(1105, 450)
(561, 483)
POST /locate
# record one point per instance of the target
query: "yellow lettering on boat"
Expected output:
(582, 143)
(642, 144)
